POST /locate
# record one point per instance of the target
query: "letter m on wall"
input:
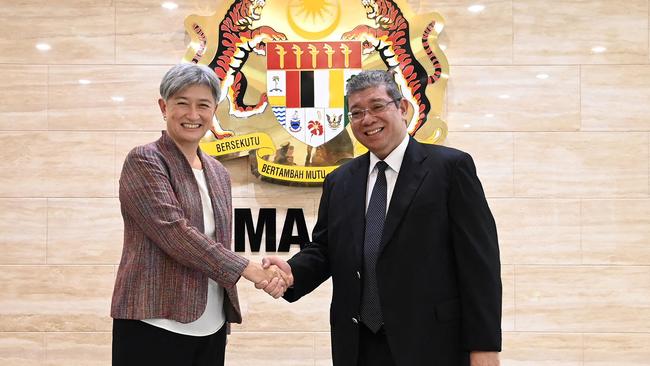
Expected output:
(265, 227)
(244, 225)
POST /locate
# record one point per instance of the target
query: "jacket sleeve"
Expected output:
(147, 197)
(476, 249)
(311, 266)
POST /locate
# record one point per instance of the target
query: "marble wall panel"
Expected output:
(66, 3)
(266, 190)
(124, 143)
(550, 298)
(542, 349)
(567, 32)
(55, 298)
(84, 231)
(538, 231)
(105, 98)
(514, 98)
(493, 155)
(56, 164)
(23, 224)
(20, 349)
(619, 300)
(147, 33)
(75, 34)
(23, 91)
(508, 298)
(582, 298)
(492, 45)
(616, 232)
(287, 349)
(617, 102)
(78, 349)
(581, 164)
(322, 349)
(624, 349)
(262, 313)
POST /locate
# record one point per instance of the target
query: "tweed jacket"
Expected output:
(166, 259)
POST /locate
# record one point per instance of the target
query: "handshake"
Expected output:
(273, 275)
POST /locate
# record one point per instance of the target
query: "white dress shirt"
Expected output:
(394, 161)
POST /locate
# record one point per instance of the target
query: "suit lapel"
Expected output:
(355, 201)
(409, 179)
(186, 189)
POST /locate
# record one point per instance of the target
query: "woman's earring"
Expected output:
(164, 117)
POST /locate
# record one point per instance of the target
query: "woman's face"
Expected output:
(189, 113)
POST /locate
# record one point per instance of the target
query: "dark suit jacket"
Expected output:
(438, 272)
(166, 259)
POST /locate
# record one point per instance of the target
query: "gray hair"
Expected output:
(371, 79)
(181, 76)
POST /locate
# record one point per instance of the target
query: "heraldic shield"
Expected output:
(305, 84)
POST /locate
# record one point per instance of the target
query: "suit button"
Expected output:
(358, 275)
(355, 321)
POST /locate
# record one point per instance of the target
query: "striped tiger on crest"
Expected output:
(236, 41)
(391, 39)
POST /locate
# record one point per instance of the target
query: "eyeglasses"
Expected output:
(376, 108)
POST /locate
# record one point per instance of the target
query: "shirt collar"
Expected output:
(394, 159)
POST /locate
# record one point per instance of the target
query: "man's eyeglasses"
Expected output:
(357, 115)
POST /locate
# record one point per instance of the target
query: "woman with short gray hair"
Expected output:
(175, 290)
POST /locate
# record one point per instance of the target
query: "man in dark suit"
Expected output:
(407, 236)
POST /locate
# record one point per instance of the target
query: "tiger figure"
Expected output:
(236, 41)
(391, 39)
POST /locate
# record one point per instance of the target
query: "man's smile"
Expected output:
(374, 132)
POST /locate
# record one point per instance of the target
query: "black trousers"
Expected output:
(136, 343)
(373, 348)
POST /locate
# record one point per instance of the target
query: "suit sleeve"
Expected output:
(476, 249)
(147, 197)
(311, 267)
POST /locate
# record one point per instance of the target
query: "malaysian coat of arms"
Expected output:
(284, 64)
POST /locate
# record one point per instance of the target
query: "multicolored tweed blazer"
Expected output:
(166, 259)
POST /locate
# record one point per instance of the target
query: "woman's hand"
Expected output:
(262, 278)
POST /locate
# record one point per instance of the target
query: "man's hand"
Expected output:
(280, 263)
(478, 358)
(277, 288)
(266, 277)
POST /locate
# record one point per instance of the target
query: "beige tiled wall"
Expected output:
(560, 135)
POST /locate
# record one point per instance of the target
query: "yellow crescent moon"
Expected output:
(314, 35)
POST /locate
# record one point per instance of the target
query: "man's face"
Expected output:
(189, 113)
(382, 131)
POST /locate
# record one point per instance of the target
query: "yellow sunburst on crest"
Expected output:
(314, 8)
(313, 19)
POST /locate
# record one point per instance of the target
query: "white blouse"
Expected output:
(213, 317)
